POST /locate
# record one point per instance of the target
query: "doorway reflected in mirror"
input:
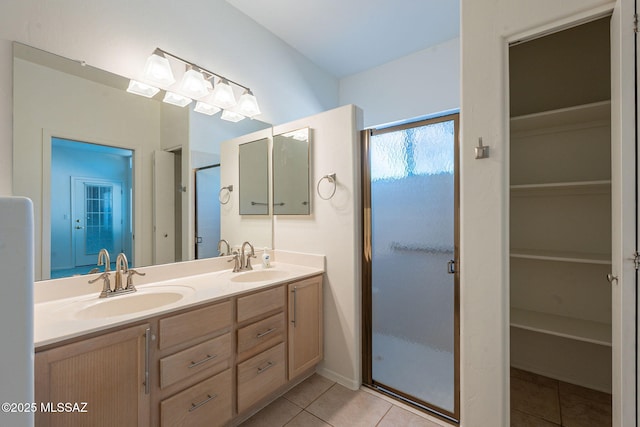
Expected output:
(91, 193)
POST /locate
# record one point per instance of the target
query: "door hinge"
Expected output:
(636, 260)
(635, 22)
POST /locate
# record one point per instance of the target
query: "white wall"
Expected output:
(486, 26)
(333, 230)
(118, 35)
(420, 84)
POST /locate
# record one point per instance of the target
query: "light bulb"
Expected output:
(248, 104)
(222, 95)
(142, 89)
(205, 108)
(231, 116)
(193, 84)
(176, 99)
(158, 70)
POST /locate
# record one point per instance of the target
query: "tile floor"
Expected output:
(319, 402)
(538, 401)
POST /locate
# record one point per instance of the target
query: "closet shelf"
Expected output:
(562, 326)
(580, 187)
(562, 256)
(587, 113)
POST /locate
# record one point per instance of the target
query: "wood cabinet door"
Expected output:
(305, 325)
(99, 381)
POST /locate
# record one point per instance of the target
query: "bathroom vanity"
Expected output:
(232, 343)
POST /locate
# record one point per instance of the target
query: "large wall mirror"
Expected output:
(291, 173)
(73, 124)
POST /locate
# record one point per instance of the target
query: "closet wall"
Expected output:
(560, 206)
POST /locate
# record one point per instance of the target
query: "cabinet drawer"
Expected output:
(187, 326)
(260, 375)
(206, 403)
(210, 354)
(261, 335)
(260, 303)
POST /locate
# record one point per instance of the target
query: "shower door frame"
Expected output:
(367, 278)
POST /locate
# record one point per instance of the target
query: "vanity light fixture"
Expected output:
(222, 95)
(248, 105)
(206, 108)
(193, 84)
(142, 89)
(196, 83)
(176, 99)
(157, 70)
(231, 116)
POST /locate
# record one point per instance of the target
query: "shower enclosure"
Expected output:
(411, 337)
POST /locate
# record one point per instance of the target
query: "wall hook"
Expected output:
(482, 151)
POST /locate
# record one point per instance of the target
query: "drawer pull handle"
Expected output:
(206, 359)
(264, 368)
(265, 333)
(195, 406)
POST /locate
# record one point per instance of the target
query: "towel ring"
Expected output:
(221, 196)
(332, 180)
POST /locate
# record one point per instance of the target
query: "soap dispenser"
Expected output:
(266, 259)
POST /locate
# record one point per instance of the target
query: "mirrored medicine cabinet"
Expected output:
(290, 175)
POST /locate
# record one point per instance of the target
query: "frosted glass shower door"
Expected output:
(414, 328)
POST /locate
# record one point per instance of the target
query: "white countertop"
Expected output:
(56, 320)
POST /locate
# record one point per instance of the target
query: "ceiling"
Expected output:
(345, 37)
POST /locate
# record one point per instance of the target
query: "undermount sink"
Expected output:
(131, 303)
(259, 276)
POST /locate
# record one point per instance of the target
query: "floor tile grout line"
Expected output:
(310, 403)
(560, 405)
(317, 417)
(385, 414)
(319, 396)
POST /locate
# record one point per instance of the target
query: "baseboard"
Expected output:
(340, 379)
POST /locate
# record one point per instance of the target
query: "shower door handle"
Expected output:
(451, 267)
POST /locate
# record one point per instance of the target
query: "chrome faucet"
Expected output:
(245, 260)
(122, 267)
(227, 252)
(236, 262)
(103, 259)
(106, 284)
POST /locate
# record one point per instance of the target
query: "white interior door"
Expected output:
(623, 157)
(164, 245)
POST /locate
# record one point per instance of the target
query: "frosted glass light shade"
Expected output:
(193, 84)
(248, 104)
(231, 116)
(222, 95)
(158, 70)
(176, 99)
(204, 108)
(142, 89)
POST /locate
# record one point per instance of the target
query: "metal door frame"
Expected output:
(367, 299)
